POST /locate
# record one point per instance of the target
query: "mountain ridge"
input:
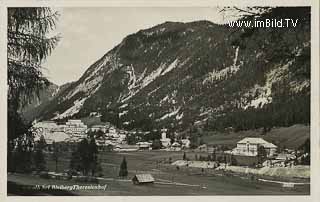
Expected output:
(174, 75)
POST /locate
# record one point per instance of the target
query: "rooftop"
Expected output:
(143, 178)
(255, 140)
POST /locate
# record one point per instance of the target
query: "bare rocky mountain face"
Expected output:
(199, 73)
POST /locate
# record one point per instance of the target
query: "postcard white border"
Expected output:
(315, 121)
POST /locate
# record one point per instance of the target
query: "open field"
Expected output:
(169, 180)
(290, 137)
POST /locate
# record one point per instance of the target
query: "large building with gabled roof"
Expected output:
(249, 146)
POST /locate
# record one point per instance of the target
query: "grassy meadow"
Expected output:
(169, 180)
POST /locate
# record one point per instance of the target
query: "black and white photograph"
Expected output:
(159, 101)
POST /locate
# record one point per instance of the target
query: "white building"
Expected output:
(127, 148)
(75, 128)
(60, 128)
(285, 156)
(50, 130)
(122, 136)
(44, 127)
(166, 142)
(57, 137)
(144, 145)
(175, 146)
(249, 147)
(96, 128)
(185, 143)
(112, 130)
(112, 133)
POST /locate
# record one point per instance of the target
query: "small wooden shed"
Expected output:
(143, 179)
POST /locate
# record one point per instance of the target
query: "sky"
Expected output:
(89, 33)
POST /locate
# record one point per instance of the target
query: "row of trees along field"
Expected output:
(25, 159)
(84, 158)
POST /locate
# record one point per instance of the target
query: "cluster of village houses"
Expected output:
(75, 130)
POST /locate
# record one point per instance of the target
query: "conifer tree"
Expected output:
(85, 158)
(75, 162)
(55, 154)
(28, 46)
(39, 160)
(42, 144)
(123, 168)
(184, 156)
(93, 158)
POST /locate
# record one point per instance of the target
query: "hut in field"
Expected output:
(143, 179)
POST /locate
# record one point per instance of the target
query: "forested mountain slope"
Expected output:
(181, 74)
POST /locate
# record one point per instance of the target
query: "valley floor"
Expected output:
(168, 179)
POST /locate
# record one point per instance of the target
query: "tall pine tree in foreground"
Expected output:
(28, 46)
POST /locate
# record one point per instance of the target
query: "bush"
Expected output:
(44, 174)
